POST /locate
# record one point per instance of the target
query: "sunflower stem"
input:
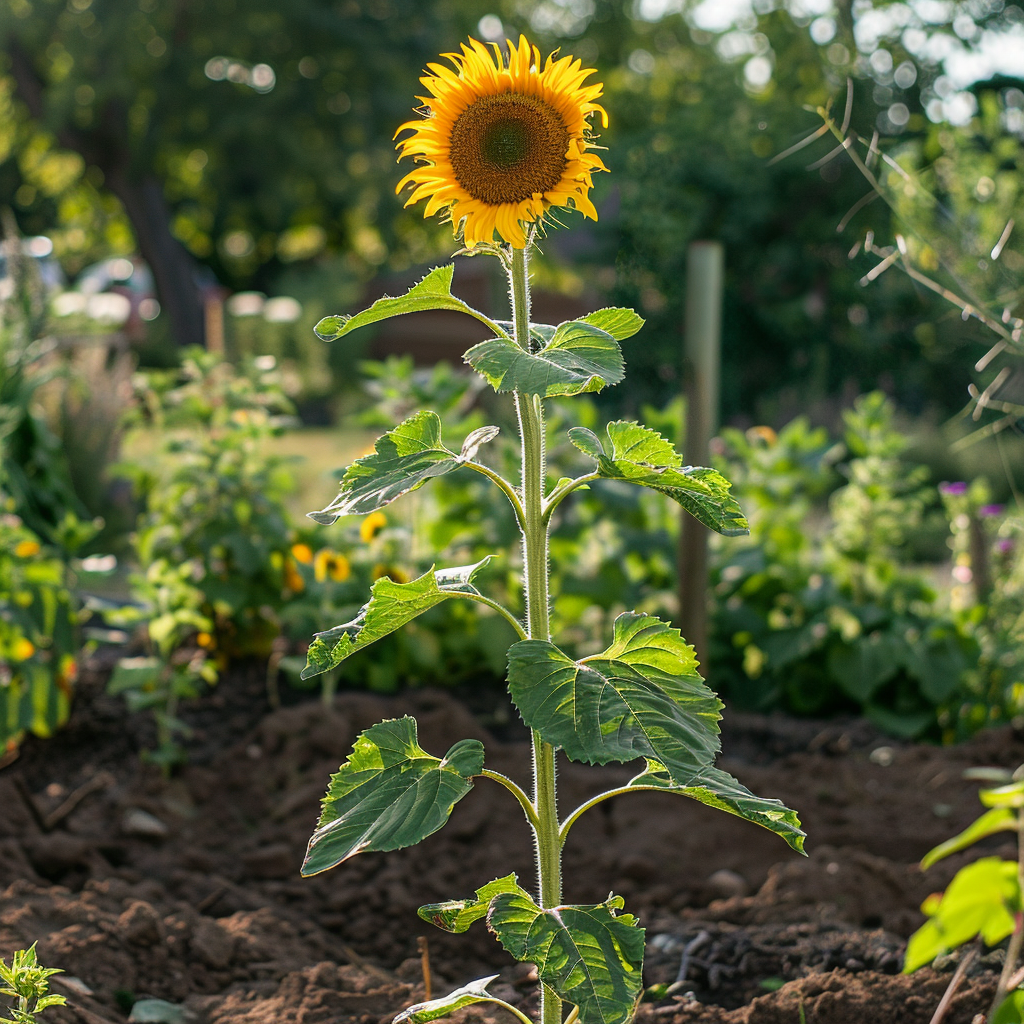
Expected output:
(535, 564)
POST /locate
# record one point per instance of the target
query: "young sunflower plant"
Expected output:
(505, 139)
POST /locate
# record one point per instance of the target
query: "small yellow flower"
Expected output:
(302, 553)
(333, 564)
(205, 640)
(27, 549)
(293, 578)
(765, 435)
(391, 572)
(371, 526)
(23, 650)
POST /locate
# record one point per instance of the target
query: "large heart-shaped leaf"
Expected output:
(639, 455)
(716, 788)
(457, 915)
(589, 955)
(580, 356)
(403, 459)
(445, 1006)
(390, 793)
(433, 292)
(391, 606)
(642, 697)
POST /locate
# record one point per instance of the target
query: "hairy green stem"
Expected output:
(535, 568)
(524, 800)
(501, 609)
(506, 487)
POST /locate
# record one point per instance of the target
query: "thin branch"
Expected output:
(849, 105)
(830, 156)
(503, 484)
(817, 134)
(559, 494)
(855, 209)
(563, 830)
(500, 608)
(954, 984)
(525, 802)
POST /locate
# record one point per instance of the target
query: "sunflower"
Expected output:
(503, 141)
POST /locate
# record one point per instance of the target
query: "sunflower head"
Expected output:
(503, 140)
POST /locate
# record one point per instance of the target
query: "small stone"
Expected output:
(137, 822)
(140, 924)
(727, 884)
(73, 984)
(274, 861)
(212, 944)
(51, 855)
(853, 964)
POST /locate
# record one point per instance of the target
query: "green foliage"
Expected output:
(719, 789)
(590, 955)
(403, 460)
(434, 1009)
(639, 455)
(574, 358)
(390, 793)
(984, 898)
(642, 697)
(390, 607)
(38, 633)
(28, 982)
(817, 623)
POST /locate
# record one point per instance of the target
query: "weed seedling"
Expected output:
(506, 139)
(984, 898)
(28, 983)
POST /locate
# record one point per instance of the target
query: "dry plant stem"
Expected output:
(947, 997)
(1017, 938)
(535, 564)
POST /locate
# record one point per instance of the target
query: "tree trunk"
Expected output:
(174, 269)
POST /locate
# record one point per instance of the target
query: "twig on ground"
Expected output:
(954, 983)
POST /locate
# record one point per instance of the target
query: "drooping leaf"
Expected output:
(716, 788)
(589, 955)
(642, 697)
(457, 915)
(403, 459)
(999, 819)
(981, 900)
(433, 292)
(639, 455)
(579, 356)
(445, 1006)
(390, 793)
(391, 606)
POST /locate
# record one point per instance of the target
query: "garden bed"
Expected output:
(187, 889)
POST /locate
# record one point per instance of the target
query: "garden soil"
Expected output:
(186, 888)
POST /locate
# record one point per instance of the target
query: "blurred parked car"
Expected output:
(117, 291)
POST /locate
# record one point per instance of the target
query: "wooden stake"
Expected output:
(702, 360)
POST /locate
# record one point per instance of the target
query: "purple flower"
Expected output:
(1004, 546)
(957, 488)
(991, 510)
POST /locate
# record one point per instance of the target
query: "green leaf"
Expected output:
(642, 697)
(864, 665)
(981, 900)
(716, 788)
(44, 1001)
(580, 356)
(474, 992)
(390, 607)
(590, 956)
(1011, 1009)
(1004, 796)
(389, 793)
(999, 819)
(639, 455)
(433, 292)
(403, 459)
(457, 915)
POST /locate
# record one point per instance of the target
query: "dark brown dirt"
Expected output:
(187, 889)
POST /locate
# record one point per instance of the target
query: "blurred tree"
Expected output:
(234, 134)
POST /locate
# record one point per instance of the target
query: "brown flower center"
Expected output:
(505, 148)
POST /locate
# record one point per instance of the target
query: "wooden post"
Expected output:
(702, 361)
